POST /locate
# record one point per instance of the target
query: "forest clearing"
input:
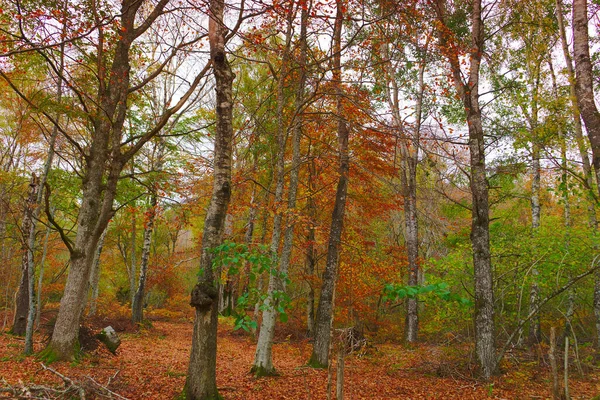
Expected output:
(257, 199)
(151, 364)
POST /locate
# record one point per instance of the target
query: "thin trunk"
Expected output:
(137, 306)
(339, 376)
(260, 277)
(584, 89)
(38, 301)
(201, 381)
(480, 234)
(411, 227)
(324, 318)
(556, 389)
(249, 235)
(132, 253)
(263, 358)
(566, 369)
(534, 335)
(25, 291)
(311, 254)
(95, 278)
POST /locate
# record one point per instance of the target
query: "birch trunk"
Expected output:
(201, 382)
(263, 358)
(480, 234)
(584, 89)
(534, 335)
(576, 115)
(137, 306)
(324, 318)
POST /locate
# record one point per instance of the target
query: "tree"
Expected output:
(201, 379)
(324, 316)
(468, 92)
(584, 89)
(103, 153)
(263, 363)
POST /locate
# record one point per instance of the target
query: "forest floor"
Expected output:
(152, 363)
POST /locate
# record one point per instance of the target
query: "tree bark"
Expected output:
(480, 234)
(132, 269)
(584, 89)
(311, 253)
(263, 358)
(324, 318)
(38, 301)
(201, 382)
(584, 81)
(556, 389)
(95, 278)
(576, 115)
(411, 228)
(137, 306)
(534, 334)
(24, 293)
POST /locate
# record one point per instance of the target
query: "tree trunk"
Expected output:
(556, 389)
(339, 376)
(311, 256)
(584, 83)
(578, 129)
(38, 301)
(263, 358)
(104, 157)
(201, 382)
(132, 252)
(25, 292)
(324, 318)
(584, 89)
(95, 278)
(137, 306)
(534, 335)
(103, 165)
(480, 234)
(411, 227)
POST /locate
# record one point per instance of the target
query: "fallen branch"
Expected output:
(71, 388)
(105, 389)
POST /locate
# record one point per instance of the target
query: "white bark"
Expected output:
(263, 359)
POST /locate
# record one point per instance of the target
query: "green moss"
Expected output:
(50, 354)
(314, 363)
(104, 339)
(260, 372)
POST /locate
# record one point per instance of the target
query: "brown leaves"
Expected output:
(153, 364)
